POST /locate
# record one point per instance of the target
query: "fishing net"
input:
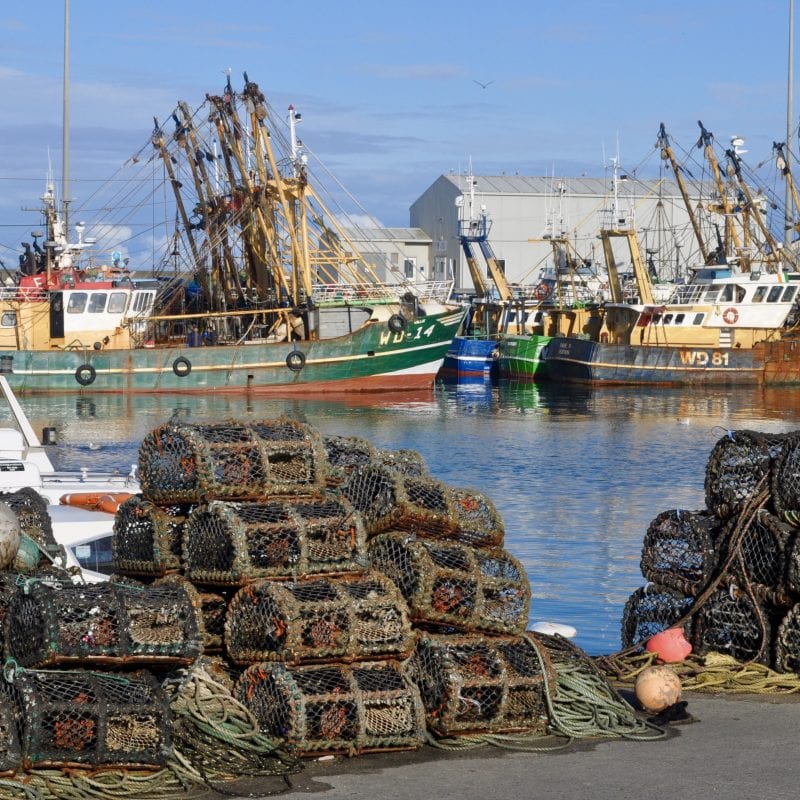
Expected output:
(479, 684)
(652, 609)
(733, 623)
(422, 505)
(680, 550)
(210, 610)
(451, 584)
(738, 465)
(785, 478)
(101, 623)
(10, 751)
(787, 642)
(183, 463)
(335, 708)
(233, 543)
(91, 718)
(362, 617)
(147, 538)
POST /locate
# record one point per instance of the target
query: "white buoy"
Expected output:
(9, 535)
(554, 628)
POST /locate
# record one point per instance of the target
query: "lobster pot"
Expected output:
(344, 454)
(10, 751)
(234, 543)
(147, 538)
(406, 462)
(91, 718)
(182, 463)
(209, 609)
(107, 623)
(450, 584)
(352, 618)
(335, 708)
(736, 466)
(732, 623)
(424, 506)
(34, 520)
(764, 555)
(477, 684)
(785, 483)
(787, 642)
(680, 550)
(652, 609)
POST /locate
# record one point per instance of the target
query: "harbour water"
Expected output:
(577, 474)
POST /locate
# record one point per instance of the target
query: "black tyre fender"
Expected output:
(396, 323)
(181, 366)
(85, 374)
(296, 360)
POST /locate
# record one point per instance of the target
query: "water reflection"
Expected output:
(577, 473)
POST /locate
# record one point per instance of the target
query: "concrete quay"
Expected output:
(737, 747)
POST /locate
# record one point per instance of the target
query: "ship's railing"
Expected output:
(380, 293)
(34, 293)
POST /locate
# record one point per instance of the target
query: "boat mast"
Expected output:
(65, 199)
(789, 218)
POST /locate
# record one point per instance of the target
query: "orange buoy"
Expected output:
(95, 501)
(657, 688)
(670, 645)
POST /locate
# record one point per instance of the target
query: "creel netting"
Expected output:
(346, 453)
(652, 609)
(10, 751)
(787, 642)
(422, 505)
(351, 709)
(101, 623)
(451, 584)
(344, 618)
(785, 477)
(31, 511)
(480, 684)
(234, 543)
(183, 463)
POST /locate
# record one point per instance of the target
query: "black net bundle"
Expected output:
(343, 619)
(91, 718)
(680, 550)
(10, 750)
(183, 463)
(147, 538)
(101, 623)
(785, 478)
(787, 642)
(738, 467)
(652, 609)
(235, 543)
(480, 684)
(422, 505)
(335, 708)
(733, 623)
(446, 583)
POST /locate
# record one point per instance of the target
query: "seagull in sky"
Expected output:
(483, 85)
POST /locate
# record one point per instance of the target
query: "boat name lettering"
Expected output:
(702, 358)
(396, 338)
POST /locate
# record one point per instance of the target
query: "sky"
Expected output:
(391, 94)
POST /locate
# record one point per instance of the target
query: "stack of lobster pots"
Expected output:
(729, 574)
(356, 600)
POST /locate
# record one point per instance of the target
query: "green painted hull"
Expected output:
(520, 357)
(372, 358)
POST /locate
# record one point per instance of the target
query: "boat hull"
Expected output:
(581, 361)
(371, 359)
(469, 359)
(520, 358)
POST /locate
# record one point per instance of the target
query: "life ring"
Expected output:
(296, 360)
(95, 501)
(396, 323)
(85, 374)
(730, 316)
(541, 292)
(181, 366)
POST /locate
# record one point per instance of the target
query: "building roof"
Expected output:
(549, 186)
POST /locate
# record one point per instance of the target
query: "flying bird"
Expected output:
(483, 85)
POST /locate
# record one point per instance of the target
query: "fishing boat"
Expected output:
(266, 294)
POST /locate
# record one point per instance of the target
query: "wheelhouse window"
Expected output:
(711, 294)
(116, 302)
(679, 318)
(698, 319)
(727, 293)
(97, 302)
(667, 319)
(774, 294)
(9, 319)
(758, 295)
(77, 303)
